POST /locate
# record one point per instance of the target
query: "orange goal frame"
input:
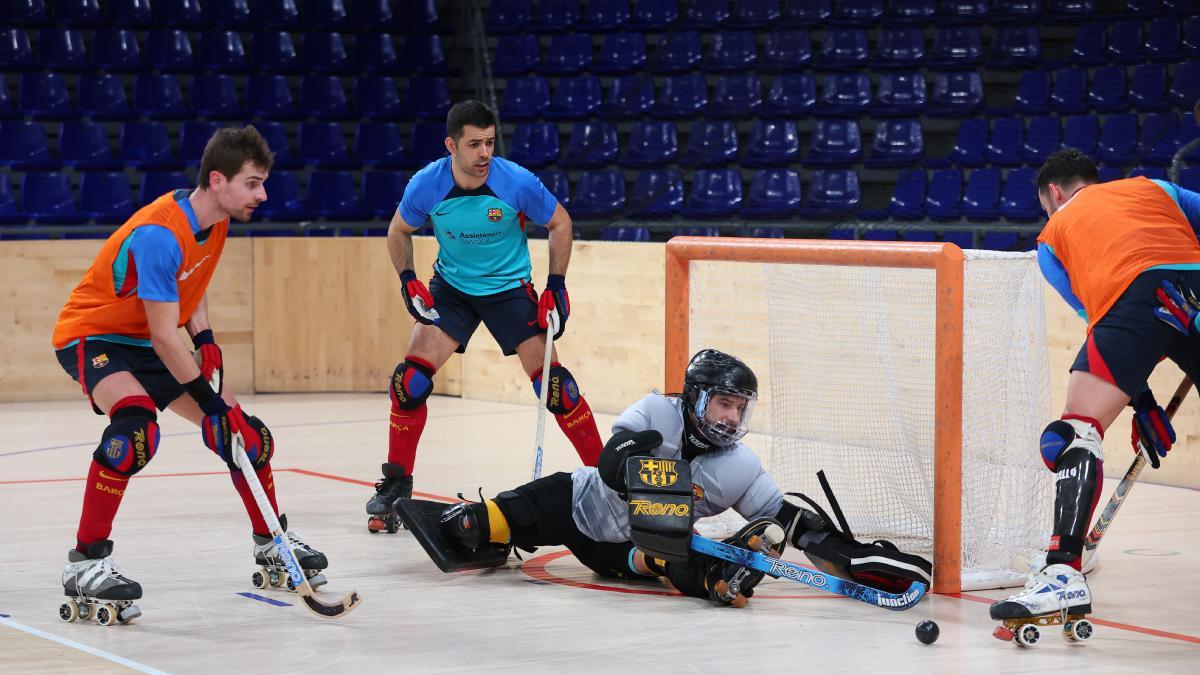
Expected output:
(947, 262)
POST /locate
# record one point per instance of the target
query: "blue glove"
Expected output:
(1152, 431)
(1178, 309)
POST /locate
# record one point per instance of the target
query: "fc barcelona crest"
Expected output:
(495, 215)
(100, 361)
(658, 472)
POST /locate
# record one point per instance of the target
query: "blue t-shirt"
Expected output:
(482, 247)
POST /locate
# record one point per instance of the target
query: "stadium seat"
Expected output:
(964, 239)
(1042, 138)
(897, 143)
(625, 234)
(1004, 143)
(146, 146)
(773, 193)
(170, 51)
(900, 48)
(1019, 200)
(715, 193)
(621, 54)
(382, 191)
(844, 49)
(285, 202)
(681, 96)
(908, 199)
(791, 95)
(1014, 11)
(755, 13)
(956, 47)
(981, 198)
(999, 241)
(956, 94)
(160, 97)
(157, 183)
(1151, 172)
(23, 147)
(1069, 95)
(772, 143)
(1191, 36)
(378, 99)
(428, 98)
(322, 97)
(1015, 47)
(420, 16)
(598, 194)
(1173, 136)
(377, 15)
(1118, 139)
(375, 53)
(963, 11)
(1148, 88)
(275, 52)
(129, 13)
(711, 143)
(47, 198)
(333, 196)
(84, 146)
(178, 13)
(899, 95)
(806, 13)
(1189, 178)
(676, 52)
(1033, 92)
(1185, 85)
(270, 97)
(1164, 41)
(10, 213)
(7, 109)
(1082, 132)
(657, 194)
(1107, 93)
(427, 143)
(61, 50)
(116, 50)
(910, 12)
(653, 15)
(535, 145)
(1125, 42)
(736, 96)
(604, 16)
(102, 97)
(970, 143)
(27, 13)
(234, 14)
(423, 55)
(592, 144)
(943, 200)
(216, 97)
(506, 17)
(555, 16)
(881, 235)
(276, 135)
(629, 97)
(835, 143)
(16, 54)
(1091, 43)
(575, 98)
(731, 51)
(845, 95)
(525, 98)
(786, 51)
(568, 54)
(221, 51)
(514, 55)
(325, 54)
(1068, 11)
(327, 14)
(323, 146)
(44, 97)
(832, 192)
(105, 197)
(380, 145)
(556, 182)
(705, 14)
(857, 12)
(651, 143)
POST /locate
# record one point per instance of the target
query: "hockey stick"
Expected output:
(782, 569)
(336, 610)
(544, 394)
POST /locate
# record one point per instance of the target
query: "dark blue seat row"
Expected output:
(1067, 90)
(946, 196)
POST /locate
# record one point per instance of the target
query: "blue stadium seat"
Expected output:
(705, 14)
(116, 51)
(970, 143)
(604, 16)
(964, 239)
(377, 15)
(323, 146)
(382, 191)
(1068, 11)
(322, 97)
(62, 50)
(711, 143)
(221, 51)
(657, 194)
(910, 12)
(420, 16)
(1014, 11)
(625, 234)
(653, 14)
(170, 51)
(23, 147)
(832, 192)
(1019, 200)
(535, 145)
(10, 213)
(276, 135)
(157, 183)
(129, 13)
(1148, 88)
(681, 96)
(428, 98)
(629, 97)
(26, 13)
(981, 199)
(423, 55)
(506, 17)
(1125, 42)
(555, 16)
(786, 51)
(1185, 86)
(375, 53)
(1189, 178)
(999, 241)
(378, 99)
(160, 97)
(102, 97)
(105, 197)
(556, 182)
(652, 143)
(791, 95)
(1191, 35)
(146, 146)
(178, 13)
(1173, 136)
(575, 98)
(7, 109)
(333, 196)
(956, 47)
(845, 95)
(773, 193)
(598, 194)
(1069, 95)
(1164, 41)
(715, 193)
(1015, 47)
(899, 95)
(857, 12)
(1082, 132)
(270, 97)
(897, 143)
(216, 97)
(44, 97)
(1107, 93)
(763, 233)
(755, 13)
(676, 52)
(379, 145)
(1179, 7)
(592, 144)
(84, 146)
(327, 14)
(621, 54)
(284, 202)
(696, 232)
(731, 51)
(525, 98)
(275, 52)
(772, 143)
(943, 200)
(16, 54)
(82, 13)
(956, 94)
(835, 143)
(1151, 172)
(844, 49)
(908, 200)
(1118, 139)
(514, 55)
(47, 198)
(963, 11)
(1033, 92)
(325, 54)
(1004, 144)
(806, 13)
(900, 48)
(229, 14)
(1091, 43)
(736, 96)
(880, 235)
(1042, 138)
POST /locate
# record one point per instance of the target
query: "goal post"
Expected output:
(780, 298)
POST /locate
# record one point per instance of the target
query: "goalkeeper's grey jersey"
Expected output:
(731, 477)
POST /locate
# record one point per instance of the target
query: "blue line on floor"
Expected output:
(269, 601)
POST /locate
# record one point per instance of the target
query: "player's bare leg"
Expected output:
(564, 401)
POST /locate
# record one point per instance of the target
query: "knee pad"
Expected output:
(412, 382)
(1068, 433)
(260, 456)
(564, 393)
(131, 439)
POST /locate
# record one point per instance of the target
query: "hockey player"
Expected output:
(1113, 251)
(478, 204)
(588, 512)
(117, 336)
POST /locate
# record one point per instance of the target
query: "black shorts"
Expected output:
(1126, 344)
(89, 361)
(510, 316)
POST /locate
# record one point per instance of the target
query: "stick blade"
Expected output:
(336, 610)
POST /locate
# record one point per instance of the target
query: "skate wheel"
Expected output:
(291, 585)
(69, 611)
(374, 525)
(392, 527)
(85, 611)
(259, 580)
(1078, 631)
(1003, 633)
(739, 601)
(106, 615)
(1028, 635)
(275, 578)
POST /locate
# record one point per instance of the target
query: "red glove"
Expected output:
(417, 298)
(208, 357)
(554, 298)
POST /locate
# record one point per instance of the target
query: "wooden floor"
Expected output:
(183, 534)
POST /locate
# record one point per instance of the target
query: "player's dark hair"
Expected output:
(230, 148)
(1066, 166)
(468, 112)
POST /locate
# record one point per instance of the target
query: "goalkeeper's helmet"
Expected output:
(711, 378)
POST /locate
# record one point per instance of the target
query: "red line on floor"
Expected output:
(1099, 622)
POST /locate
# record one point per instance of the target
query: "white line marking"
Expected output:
(82, 647)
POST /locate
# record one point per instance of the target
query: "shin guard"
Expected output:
(572, 412)
(1071, 448)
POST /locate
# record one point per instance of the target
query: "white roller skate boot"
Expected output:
(272, 571)
(1057, 595)
(97, 588)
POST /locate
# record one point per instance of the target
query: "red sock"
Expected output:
(101, 498)
(268, 482)
(404, 432)
(579, 425)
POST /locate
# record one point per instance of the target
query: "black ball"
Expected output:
(927, 632)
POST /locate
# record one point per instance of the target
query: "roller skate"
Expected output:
(381, 509)
(1056, 596)
(733, 584)
(97, 589)
(272, 573)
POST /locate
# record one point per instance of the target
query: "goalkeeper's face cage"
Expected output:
(721, 414)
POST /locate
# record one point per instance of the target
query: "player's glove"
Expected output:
(554, 298)
(417, 298)
(1152, 432)
(208, 357)
(1178, 308)
(221, 429)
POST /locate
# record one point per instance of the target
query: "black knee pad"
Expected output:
(130, 441)
(267, 449)
(564, 393)
(412, 382)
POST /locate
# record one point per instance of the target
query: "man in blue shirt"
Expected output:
(478, 205)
